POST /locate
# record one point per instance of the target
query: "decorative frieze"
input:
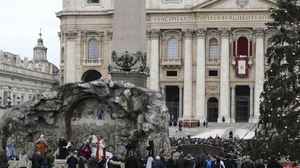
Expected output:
(201, 33)
(259, 32)
(71, 34)
(188, 33)
(225, 32)
(153, 33)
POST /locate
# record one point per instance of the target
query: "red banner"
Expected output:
(241, 64)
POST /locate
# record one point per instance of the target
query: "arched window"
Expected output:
(213, 48)
(242, 47)
(172, 48)
(93, 49)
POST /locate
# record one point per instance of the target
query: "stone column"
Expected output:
(70, 61)
(259, 69)
(224, 76)
(232, 103)
(154, 59)
(188, 70)
(200, 77)
(180, 101)
(251, 100)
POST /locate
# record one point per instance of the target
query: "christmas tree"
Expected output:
(279, 124)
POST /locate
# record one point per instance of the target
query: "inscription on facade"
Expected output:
(207, 18)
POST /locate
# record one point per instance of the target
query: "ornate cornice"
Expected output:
(153, 33)
(71, 34)
(259, 32)
(201, 33)
(188, 33)
(224, 31)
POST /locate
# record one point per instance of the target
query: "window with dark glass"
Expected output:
(93, 1)
(213, 73)
(171, 73)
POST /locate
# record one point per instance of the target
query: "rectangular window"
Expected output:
(92, 1)
(171, 73)
(213, 51)
(212, 73)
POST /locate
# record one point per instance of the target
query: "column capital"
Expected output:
(188, 33)
(251, 86)
(224, 31)
(232, 86)
(180, 86)
(259, 32)
(162, 86)
(201, 32)
(153, 33)
(71, 34)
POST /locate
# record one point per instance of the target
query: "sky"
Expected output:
(20, 24)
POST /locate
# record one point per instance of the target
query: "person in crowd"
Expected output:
(248, 163)
(227, 161)
(158, 163)
(51, 157)
(130, 145)
(150, 147)
(92, 162)
(170, 162)
(3, 159)
(208, 163)
(198, 162)
(101, 162)
(218, 163)
(72, 160)
(189, 162)
(45, 161)
(81, 161)
(273, 163)
(11, 144)
(163, 160)
(150, 163)
(23, 160)
(131, 161)
(296, 163)
(36, 160)
(259, 163)
(180, 162)
(85, 151)
(114, 163)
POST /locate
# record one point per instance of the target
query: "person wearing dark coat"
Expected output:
(131, 161)
(198, 162)
(170, 163)
(273, 163)
(189, 163)
(158, 163)
(72, 161)
(163, 160)
(180, 162)
(3, 159)
(218, 163)
(36, 160)
(227, 162)
(92, 162)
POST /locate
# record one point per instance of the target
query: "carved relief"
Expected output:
(242, 3)
(212, 88)
(224, 32)
(153, 33)
(188, 33)
(71, 34)
(259, 32)
(109, 33)
(201, 32)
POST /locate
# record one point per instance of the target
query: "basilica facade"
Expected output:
(206, 57)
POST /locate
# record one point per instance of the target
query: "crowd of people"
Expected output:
(92, 154)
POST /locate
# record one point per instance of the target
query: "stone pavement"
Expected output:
(242, 130)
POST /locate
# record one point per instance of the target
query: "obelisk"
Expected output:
(129, 38)
(129, 28)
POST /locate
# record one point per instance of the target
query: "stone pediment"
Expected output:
(235, 4)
